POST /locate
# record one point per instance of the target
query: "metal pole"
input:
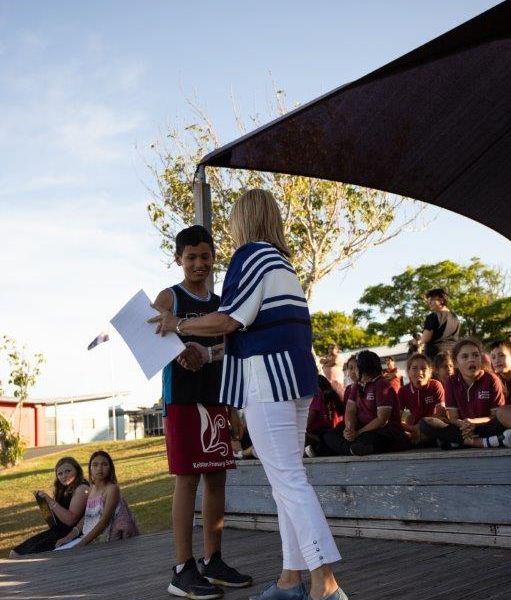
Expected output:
(112, 383)
(202, 204)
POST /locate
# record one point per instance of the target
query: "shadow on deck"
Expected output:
(139, 569)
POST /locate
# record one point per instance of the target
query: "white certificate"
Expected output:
(152, 351)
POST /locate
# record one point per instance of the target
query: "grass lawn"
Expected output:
(142, 472)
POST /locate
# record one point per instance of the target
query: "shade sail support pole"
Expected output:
(202, 206)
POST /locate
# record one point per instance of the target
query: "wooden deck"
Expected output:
(139, 569)
(459, 497)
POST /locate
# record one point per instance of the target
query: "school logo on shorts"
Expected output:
(210, 432)
(483, 395)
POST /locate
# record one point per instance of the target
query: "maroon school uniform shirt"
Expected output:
(476, 400)
(421, 402)
(320, 417)
(376, 393)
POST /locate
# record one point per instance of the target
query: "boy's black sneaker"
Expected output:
(189, 583)
(216, 571)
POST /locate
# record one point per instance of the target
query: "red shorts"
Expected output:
(197, 439)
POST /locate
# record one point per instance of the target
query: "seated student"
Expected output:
(392, 374)
(443, 367)
(500, 440)
(70, 490)
(372, 421)
(422, 397)
(107, 516)
(500, 354)
(352, 375)
(472, 397)
(325, 412)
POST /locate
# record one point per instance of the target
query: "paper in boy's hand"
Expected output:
(152, 351)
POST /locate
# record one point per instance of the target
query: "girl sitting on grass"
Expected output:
(70, 490)
(107, 516)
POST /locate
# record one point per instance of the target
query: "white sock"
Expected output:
(506, 438)
(180, 567)
(491, 442)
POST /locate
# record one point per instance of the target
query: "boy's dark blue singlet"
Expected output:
(181, 386)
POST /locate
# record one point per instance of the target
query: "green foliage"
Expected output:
(24, 371)
(338, 328)
(327, 224)
(477, 294)
(12, 446)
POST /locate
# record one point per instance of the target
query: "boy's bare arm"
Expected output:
(164, 301)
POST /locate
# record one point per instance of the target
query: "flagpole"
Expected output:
(112, 383)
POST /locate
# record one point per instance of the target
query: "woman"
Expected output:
(441, 328)
(67, 505)
(269, 370)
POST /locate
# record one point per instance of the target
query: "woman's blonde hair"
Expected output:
(256, 218)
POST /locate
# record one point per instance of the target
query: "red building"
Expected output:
(29, 420)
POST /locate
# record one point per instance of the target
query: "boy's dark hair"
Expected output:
(193, 236)
(439, 293)
(368, 363)
(499, 343)
(418, 356)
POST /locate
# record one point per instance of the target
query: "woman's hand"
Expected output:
(65, 540)
(42, 494)
(166, 321)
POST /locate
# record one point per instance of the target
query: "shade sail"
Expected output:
(434, 125)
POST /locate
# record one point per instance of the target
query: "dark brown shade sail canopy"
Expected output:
(434, 125)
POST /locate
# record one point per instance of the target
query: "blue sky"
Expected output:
(86, 88)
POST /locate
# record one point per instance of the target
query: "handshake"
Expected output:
(194, 356)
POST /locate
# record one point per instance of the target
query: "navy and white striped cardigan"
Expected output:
(261, 291)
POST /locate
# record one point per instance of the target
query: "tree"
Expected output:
(328, 224)
(24, 371)
(335, 327)
(477, 294)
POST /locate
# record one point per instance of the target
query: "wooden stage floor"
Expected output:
(138, 569)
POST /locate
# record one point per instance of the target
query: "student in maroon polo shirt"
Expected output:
(422, 397)
(352, 373)
(392, 374)
(372, 421)
(472, 398)
(443, 367)
(500, 355)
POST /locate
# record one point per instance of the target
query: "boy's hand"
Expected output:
(237, 427)
(191, 357)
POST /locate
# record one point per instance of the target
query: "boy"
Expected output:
(197, 427)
